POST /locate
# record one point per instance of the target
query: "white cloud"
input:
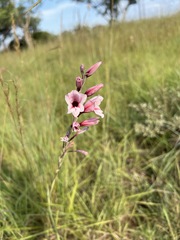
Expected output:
(57, 9)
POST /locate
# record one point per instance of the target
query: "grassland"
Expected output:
(128, 187)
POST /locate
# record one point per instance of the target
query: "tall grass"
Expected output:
(128, 186)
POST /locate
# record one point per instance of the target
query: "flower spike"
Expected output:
(77, 106)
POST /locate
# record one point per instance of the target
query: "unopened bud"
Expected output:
(90, 122)
(93, 89)
(79, 83)
(82, 69)
(92, 69)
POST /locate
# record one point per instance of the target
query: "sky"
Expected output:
(58, 16)
(64, 15)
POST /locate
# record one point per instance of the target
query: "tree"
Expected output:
(110, 9)
(130, 2)
(27, 23)
(6, 10)
(12, 16)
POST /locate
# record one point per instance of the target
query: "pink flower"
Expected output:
(79, 83)
(75, 101)
(89, 106)
(93, 89)
(92, 69)
(93, 106)
(75, 126)
(90, 122)
(65, 139)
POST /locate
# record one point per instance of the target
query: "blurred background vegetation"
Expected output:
(128, 187)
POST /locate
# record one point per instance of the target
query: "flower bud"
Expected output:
(92, 69)
(90, 122)
(82, 69)
(93, 89)
(83, 152)
(79, 83)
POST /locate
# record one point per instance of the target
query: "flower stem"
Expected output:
(60, 161)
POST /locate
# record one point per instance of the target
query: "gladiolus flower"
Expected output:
(92, 69)
(75, 101)
(93, 106)
(89, 122)
(79, 83)
(75, 126)
(93, 89)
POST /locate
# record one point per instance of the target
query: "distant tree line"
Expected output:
(37, 37)
(13, 16)
(110, 9)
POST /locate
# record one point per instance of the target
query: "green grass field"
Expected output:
(128, 187)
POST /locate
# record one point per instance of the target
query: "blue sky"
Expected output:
(64, 15)
(60, 15)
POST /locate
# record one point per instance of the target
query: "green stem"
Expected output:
(60, 161)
